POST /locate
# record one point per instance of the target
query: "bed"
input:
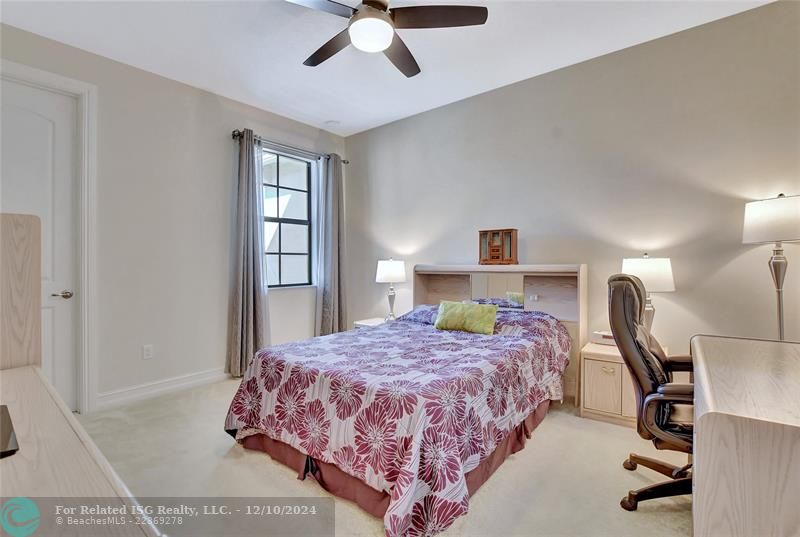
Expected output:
(414, 413)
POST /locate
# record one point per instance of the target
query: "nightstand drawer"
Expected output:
(604, 383)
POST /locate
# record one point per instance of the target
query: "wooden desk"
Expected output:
(747, 437)
(57, 458)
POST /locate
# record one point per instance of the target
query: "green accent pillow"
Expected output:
(476, 318)
(516, 298)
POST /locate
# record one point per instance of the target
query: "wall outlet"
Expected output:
(147, 352)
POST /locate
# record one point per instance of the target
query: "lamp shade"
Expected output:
(390, 271)
(772, 220)
(655, 272)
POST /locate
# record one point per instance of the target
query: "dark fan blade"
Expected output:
(334, 8)
(401, 57)
(438, 16)
(334, 45)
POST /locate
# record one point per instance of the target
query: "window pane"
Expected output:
(286, 197)
(269, 162)
(271, 237)
(294, 269)
(271, 201)
(293, 204)
(293, 173)
(294, 239)
(272, 270)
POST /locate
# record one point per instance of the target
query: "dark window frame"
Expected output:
(278, 220)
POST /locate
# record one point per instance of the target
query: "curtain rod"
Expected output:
(237, 134)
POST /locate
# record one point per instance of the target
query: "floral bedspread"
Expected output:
(404, 407)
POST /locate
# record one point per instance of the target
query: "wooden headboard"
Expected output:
(560, 290)
(20, 291)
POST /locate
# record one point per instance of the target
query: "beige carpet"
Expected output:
(567, 481)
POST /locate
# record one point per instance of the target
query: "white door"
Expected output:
(38, 176)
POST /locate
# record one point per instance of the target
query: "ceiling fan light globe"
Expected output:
(371, 34)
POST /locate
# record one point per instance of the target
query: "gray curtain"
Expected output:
(248, 322)
(330, 314)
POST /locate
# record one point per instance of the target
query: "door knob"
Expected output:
(66, 294)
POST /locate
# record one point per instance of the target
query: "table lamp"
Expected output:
(656, 275)
(390, 271)
(773, 220)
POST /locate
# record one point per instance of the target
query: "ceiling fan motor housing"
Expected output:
(376, 4)
(371, 10)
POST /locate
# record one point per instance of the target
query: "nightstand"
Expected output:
(365, 323)
(607, 386)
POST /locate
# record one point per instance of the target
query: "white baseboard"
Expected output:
(148, 390)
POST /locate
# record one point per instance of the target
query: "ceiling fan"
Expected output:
(372, 26)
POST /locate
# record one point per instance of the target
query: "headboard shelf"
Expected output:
(557, 289)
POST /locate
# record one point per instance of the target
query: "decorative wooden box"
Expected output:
(498, 247)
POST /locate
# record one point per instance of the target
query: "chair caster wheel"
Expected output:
(628, 504)
(629, 465)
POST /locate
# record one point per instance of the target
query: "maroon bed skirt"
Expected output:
(376, 502)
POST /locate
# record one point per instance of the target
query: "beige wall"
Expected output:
(654, 148)
(165, 190)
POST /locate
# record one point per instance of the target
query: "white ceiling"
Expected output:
(253, 51)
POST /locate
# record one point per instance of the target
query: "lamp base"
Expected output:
(390, 295)
(777, 266)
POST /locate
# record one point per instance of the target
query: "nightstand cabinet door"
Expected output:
(605, 380)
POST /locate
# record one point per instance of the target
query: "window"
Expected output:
(287, 219)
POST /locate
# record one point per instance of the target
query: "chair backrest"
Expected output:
(641, 353)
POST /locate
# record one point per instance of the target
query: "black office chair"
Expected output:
(663, 408)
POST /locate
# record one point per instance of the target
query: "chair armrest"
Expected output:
(679, 362)
(675, 389)
(667, 393)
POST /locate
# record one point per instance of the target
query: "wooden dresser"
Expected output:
(747, 437)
